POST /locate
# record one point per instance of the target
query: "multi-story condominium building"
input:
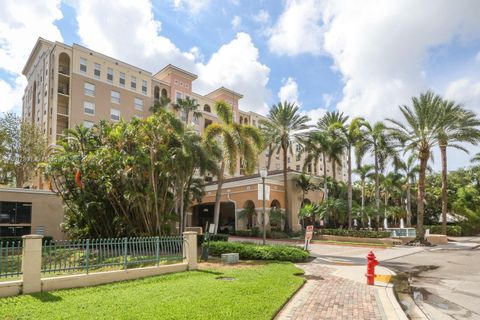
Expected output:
(72, 85)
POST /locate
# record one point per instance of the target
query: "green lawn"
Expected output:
(257, 292)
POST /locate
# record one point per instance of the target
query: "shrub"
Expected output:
(454, 231)
(19, 238)
(355, 233)
(250, 251)
(213, 237)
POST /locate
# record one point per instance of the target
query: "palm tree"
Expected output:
(315, 146)
(351, 134)
(456, 125)
(476, 158)
(188, 105)
(419, 135)
(270, 138)
(161, 104)
(286, 119)
(304, 183)
(364, 172)
(410, 170)
(391, 184)
(375, 140)
(235, 140)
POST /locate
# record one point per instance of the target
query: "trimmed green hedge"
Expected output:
(250, 251)
(454, 231)
(354, 233)
(213, 237)
(5, 239)
(257, 233)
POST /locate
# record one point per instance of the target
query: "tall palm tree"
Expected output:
(305, 184)
(475, 158)
(457, 125)
(188, 105)
(391, 184)
(285, 118)
(351, 135)
(419, 135)
(316, 145)
(410, 169)
(376, 141)
(235, 140)
(364, 172)
(270, 139)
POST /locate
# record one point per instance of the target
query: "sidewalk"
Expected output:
(341, 293)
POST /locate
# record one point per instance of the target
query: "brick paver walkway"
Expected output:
(331, 298)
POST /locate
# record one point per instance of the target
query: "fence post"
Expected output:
(125, 253)
(190, 249)
(88, 255)
(32, 263)
(157, 250)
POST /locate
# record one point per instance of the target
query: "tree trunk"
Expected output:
(269, 158)
(334, 169)
(377, 188)
(409, 204)
(325, 184)
(182, 210)
(424, 154)
(218, 195)
(350, 191)
(154, 188)
(443, 153)
(285, 185)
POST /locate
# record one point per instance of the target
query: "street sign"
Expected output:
(308, 236)
(211, 228)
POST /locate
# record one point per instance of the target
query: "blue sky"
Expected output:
(361, 57)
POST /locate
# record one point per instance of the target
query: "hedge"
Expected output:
(250, 251)
(354, 233)
(213, 237)
(454, 231)
(19, 238)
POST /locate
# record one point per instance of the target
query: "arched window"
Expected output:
(164, 93)
(156, 93)
(206, 108)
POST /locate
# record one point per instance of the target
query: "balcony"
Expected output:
(64, 70)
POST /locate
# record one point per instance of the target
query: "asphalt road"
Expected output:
(445, 279)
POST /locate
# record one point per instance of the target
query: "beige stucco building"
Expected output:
(74, 85)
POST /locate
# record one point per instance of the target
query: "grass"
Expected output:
(258, 292)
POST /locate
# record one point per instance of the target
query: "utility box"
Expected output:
(230, 258)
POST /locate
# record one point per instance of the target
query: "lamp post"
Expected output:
(263, 174)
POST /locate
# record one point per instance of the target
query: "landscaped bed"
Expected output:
(247, 291)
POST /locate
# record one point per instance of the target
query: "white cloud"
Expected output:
(465, 91)
(289, 91)
(235, 65)
(262, 17)
(314, 114)
(236, 22)
(193, 7)
(378, 47)
(297, 29)
(21, 23)
(477, 57)
(327, 99)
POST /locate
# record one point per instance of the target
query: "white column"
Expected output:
(32, 263)
(190, 249)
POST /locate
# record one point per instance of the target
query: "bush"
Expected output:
(19, 238)
(213, 237)
(454, 231)
(250, 251)
(354, 233)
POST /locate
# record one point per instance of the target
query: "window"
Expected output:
(139, 104)
(89, 108)
(196, 120)
(144, 87)
(133, 83)
(96, 71)
(15, 212)
(110, 75)
(178, 96)
(115, 97)
(89, 89)
(115, 114)
(83, 65)
(207, 108)
(88, 124)
(121, 80)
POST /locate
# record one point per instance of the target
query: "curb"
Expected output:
(391, 306)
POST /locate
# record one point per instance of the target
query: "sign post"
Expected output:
(308, 236)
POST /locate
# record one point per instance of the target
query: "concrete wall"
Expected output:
(47, 209)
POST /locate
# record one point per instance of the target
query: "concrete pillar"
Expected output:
(32, 263)
(190, 249)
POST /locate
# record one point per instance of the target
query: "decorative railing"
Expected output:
(122, 253)
(10, 258)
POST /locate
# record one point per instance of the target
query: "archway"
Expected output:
(202, 215)
(249, 214)
(156, 94)
(164, 93)
(206, 108)
(276, 216)
(64, 63)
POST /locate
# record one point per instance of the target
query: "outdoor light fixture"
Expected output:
(263, 174)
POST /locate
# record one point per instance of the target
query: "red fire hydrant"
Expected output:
(371, 263)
